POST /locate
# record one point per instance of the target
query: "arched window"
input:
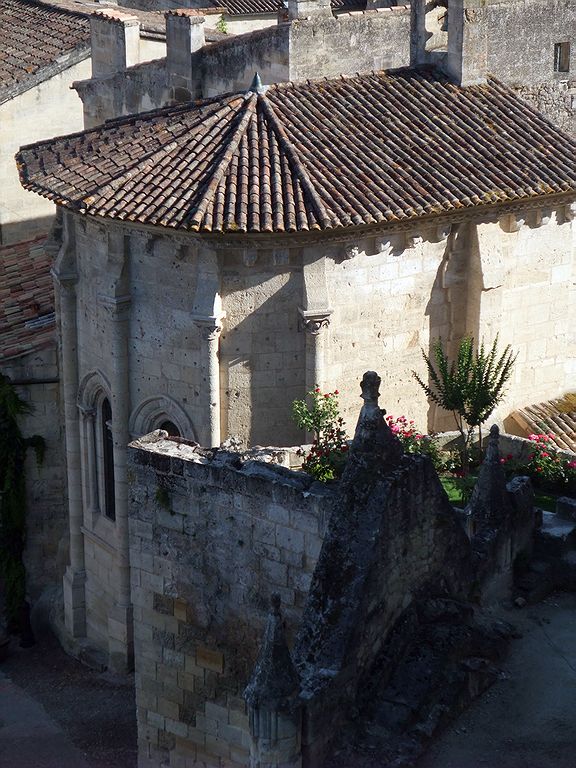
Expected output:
(170, 427)
(107, 459)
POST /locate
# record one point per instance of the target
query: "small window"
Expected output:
(562, 57)
(108, 460)
(171, 428)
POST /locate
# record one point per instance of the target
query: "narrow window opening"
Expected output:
(562, 57)
(436, 24)
(108, 463)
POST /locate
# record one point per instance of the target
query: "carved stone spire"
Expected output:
(373, 436)
(275, 682)
(490, 502)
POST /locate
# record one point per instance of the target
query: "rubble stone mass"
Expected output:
(359, 567)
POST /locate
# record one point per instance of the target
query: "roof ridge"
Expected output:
(289, 149)
(225, 160)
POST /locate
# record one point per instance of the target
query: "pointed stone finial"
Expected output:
(370, 387)
(493, 449)
(275, 682)
(489, 503)
(256, 85)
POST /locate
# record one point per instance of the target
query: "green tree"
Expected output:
(470, 386)
(13, 448)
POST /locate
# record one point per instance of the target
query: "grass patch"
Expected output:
(453, 488)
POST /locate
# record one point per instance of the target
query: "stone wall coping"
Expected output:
(270, 464)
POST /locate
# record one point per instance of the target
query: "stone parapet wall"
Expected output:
(210, 540)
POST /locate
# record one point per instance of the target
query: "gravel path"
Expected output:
(56, 713)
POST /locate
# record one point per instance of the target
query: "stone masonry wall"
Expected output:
(46, 552)
(210, 540)
(49, 109)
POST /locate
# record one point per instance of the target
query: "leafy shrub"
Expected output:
(414, 441)
(320, 415)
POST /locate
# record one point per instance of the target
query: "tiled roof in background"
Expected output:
(374, 148)
(35, 39)
(556, 417)
(26, 298)
(254, 7)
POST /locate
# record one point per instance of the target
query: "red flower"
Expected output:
(336, 392)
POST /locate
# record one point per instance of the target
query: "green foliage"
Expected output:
(320, 415)
(470, 386)
(414, 441)
(13, 448)
(222, 26)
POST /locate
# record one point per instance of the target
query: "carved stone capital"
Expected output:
(116, 306)
(88, 414)
(210, 327)
(314, 320)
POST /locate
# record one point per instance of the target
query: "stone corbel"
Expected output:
(351, 251)
(570, 212)
(313, 320)
(512, 222)
(542, 217)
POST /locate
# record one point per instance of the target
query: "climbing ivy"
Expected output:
(13, 448)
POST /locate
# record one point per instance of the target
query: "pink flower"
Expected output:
(571, 465)
(544, 455)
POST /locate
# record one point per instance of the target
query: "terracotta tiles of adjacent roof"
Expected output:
(254, 7)
(37, 41)
(26, 298)
(556, 417)
(375, 148)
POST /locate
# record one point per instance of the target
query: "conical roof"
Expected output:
(371, 149)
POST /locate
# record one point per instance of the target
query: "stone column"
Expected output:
(315, 314)
(91, 495)
(75, 576)
(314, 323)
(120, 619)
(210, 329)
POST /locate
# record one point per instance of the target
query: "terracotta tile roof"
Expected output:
(37, 41)
(557, 417)
(254, 7)
(375, 148)
(26, 298)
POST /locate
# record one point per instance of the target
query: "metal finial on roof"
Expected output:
(256, 85)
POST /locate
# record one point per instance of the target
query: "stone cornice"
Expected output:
(477, 214)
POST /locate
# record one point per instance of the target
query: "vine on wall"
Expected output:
(13, 449)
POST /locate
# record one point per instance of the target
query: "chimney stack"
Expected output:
(309, 9)
(115, 41)
(184, 35)
(455, 40)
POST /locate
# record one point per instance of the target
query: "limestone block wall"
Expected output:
(350, 43)
(210, 539)
(262, 347)
(394, 295)
(137, 89)
(529, 69)
(528, 297)
(49, 109)
(46, 552)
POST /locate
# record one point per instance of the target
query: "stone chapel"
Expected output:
(256, 234)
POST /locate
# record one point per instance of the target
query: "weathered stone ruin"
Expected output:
(379, 584)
